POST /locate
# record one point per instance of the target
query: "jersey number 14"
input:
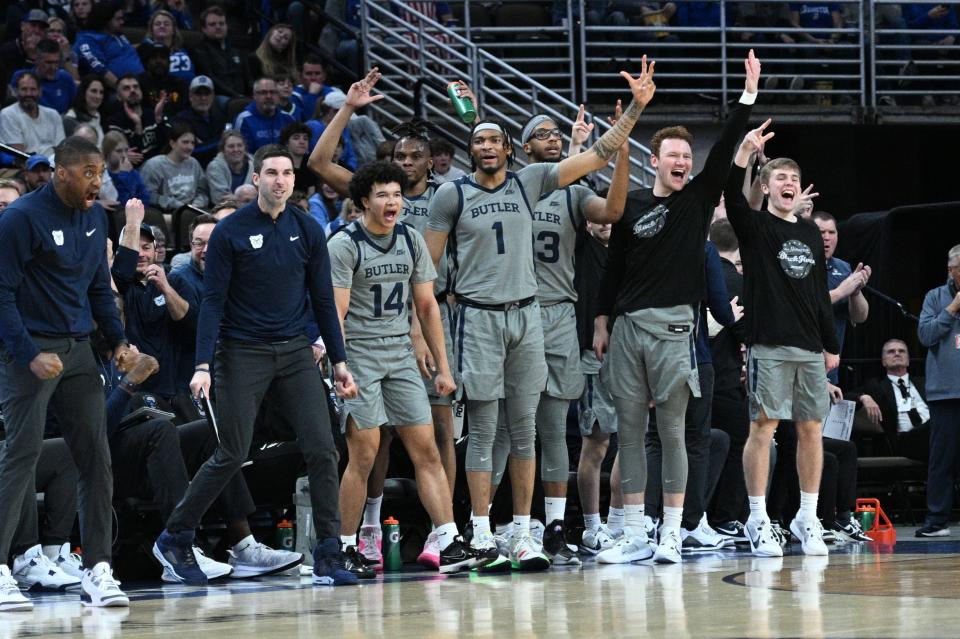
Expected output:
(394, 301)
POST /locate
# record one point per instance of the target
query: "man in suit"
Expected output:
(898, 404)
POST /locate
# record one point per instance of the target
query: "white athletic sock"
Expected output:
(371, 514)
(808, 506)
(592, 521)
(555, 508)
(615, 518)
(348, 540)
(51, 552)
(446, 534)
(480, 524)
(521, 524)
(633, 518)
(672, 516)
(243, 543)
(758, 508)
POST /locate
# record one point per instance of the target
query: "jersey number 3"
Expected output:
(394, 301)
(550, 247)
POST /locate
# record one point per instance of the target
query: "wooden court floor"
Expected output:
(911, 590)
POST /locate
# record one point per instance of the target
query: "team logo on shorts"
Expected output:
(796, 259)
(651, 222)
(58, 238)
(256, 241)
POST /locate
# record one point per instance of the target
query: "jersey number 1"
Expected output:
(394, 300)
(498, 228)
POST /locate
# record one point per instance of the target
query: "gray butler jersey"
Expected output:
(414, 213)
(556, 220)
(380, 272)
(489, 233)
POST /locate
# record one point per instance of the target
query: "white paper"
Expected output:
(839, 423)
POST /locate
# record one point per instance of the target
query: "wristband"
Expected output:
(199, 369)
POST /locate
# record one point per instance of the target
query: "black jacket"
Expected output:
(883, 392)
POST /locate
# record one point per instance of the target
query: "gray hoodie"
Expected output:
(219, 178)
(174, 185)
(939, 331)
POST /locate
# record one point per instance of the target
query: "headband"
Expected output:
(487, 126)
(534, 122)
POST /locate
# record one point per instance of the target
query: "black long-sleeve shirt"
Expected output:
(54, 279)
(785, 297)
(263, 277)
(656, 249)
(725, 345)
(591, 263)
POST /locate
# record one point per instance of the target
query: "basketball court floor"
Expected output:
(909, 590)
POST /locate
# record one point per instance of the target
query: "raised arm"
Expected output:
(321, 159)
(610, 209)
(596, 157)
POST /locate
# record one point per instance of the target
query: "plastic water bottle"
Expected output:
(463, 106)
(285, 535)
(392, 561)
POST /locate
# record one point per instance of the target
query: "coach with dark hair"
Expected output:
(54, 282)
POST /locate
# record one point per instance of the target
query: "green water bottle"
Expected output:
(285, 535)
(392, 561)
(464, 106)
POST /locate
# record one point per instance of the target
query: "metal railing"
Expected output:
(418, 56)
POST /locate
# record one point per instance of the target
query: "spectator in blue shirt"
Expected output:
(261, 122)
(937, 45)
(811, 16)
(162, 29)
(57, 88)
(313, 83)
(126, 180)
(322, 116)
(103, 49)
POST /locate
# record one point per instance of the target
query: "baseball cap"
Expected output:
(36, 160)
(145, 229)
(146, 50)
(201, 82)
(35, 15)
(335, 99)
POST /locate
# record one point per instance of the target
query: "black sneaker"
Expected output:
(174, 551)
(358, 564)
(330, 565)
(555, 545)
(933, 530)
(457, 556)
(732, 530)
(851, 531)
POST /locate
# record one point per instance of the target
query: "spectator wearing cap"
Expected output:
(21, 53)
(37, 172)
(57, 88)
(261, 122)
(232, 168)
(162, 29)
(366, 136)
(313, 83)
(28, 126)
(216, 59)
(322, 116)
(205, 118)
(157, 83)
(103, 49)
(176, 178)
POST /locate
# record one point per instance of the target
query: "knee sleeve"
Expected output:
(482, 417)
(552, 431)
(501, 448)
(670, 424)
(522, 419)
(632, 420)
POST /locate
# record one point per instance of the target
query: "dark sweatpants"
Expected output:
(730, 414)
(944, 457)
(56, 478)
(244, 372)
(77, 397)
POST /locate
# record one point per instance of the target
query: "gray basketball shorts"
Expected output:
(786, 382)
(595, 405)
(499, 354)
(446, 320)
(651, 355)
(389, 383)
(562, 350)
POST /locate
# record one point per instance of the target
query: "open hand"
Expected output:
(642, 87)
(754, 140)
(581, 129)
(358, 95)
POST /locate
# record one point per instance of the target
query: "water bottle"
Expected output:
(392, 561)
(285, 536)
(463, 106)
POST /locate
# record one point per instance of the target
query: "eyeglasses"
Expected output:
(543, 134)
(198, 243)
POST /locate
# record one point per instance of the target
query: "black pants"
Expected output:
(57, 479)
(838, 483)
(77, 397)
(244, 373)
(697, 438)
(915, 443)
(730, 414)
(155, 459)
(944, 455)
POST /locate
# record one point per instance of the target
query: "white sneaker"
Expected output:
(211, 568)
(536, 531)
(69, 562)
(100, 589)
(763, 543)
(10, 596)
(526, 555)
(703, 538)
(594, 541)
(668, 550)
(651, 525)
(486, 549)
(810, 534)
(250, 558)
(34, 571)
(370, 544)
(630, 547)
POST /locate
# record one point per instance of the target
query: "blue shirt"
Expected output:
(309, 100)
(718, 300)
(349, 157)
(129, 184)
(101, 52)
(54, 279)
(57, 94)
(816, 15)
(261, 279)
(259, 130)
(181, 66)
(193, 294)
(837, 271)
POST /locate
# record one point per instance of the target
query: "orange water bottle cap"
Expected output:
(391, 521)
(284, 523)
